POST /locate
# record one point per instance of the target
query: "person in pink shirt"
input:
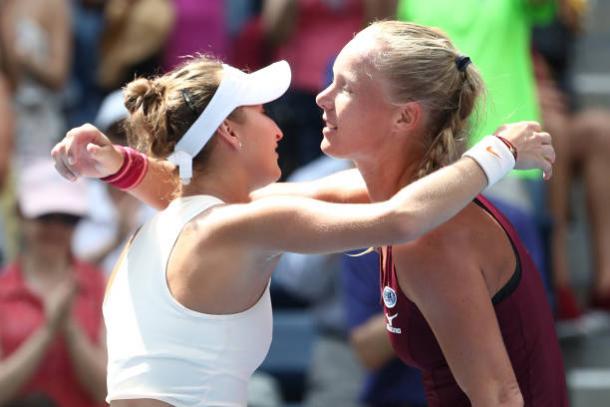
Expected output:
(52, 344)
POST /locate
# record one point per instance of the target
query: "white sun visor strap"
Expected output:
(236, 89)
(221, 105)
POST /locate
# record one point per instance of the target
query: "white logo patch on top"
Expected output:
(389, 326)
(389, 297)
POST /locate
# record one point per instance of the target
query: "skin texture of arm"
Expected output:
(88, 358)
(446, 280)
(53, 71)
(342, 187)
(269, 224)
(18, 368)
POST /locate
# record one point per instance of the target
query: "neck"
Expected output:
(224, 184)
(385, 177)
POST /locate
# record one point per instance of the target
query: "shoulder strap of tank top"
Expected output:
(515, 243)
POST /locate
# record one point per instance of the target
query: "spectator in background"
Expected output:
(389, 382)
(133, 40)
(309, 34)
(35, 38)
(83, 93)
(582, 139)
(36, 47)
(491, 33)
(51, 333)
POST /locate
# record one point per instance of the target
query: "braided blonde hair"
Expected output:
(420, 63)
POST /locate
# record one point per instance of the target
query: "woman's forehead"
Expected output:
(354, 60)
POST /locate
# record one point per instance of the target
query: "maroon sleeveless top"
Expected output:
(525, 322)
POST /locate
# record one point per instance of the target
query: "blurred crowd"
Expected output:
(63, 63)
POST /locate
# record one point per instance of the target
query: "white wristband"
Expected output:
(494, 158)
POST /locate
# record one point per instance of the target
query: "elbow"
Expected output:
(364, 355)
(370, 355)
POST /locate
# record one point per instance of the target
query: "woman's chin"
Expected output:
(329, 149)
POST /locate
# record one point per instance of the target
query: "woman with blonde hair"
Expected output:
(187, 309)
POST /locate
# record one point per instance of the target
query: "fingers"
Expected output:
(62, 164)
(547, 171)
(65, 171)
(548, 153)
(544, 137)
(532, 125)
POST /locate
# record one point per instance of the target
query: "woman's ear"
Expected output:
(410, 116)
(229, 135)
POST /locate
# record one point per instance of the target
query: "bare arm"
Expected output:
(451, 292)
(371, 343)
(88, 358)
(85, 151)
(270, 224)
(342, 187)
(410, 213)
(6, 130)
(53, 70)
(19, 366)
(17, 369)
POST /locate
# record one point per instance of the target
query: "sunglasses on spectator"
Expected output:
(63, 218)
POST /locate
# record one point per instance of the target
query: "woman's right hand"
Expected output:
(87, 152)
(534, 146)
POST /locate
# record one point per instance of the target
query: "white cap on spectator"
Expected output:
(41, 191)
(111, 111)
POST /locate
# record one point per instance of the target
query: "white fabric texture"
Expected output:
(159, 349)
(494, 158)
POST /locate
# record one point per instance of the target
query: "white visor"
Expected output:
(236, 89)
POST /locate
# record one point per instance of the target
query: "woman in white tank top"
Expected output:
(187, 309)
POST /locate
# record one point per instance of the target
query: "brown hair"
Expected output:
(420, 63)
(163, 108)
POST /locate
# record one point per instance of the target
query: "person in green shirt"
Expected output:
(496, 35)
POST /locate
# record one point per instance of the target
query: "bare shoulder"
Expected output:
(455, 238)
(468, 245)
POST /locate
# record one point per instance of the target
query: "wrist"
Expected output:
(510, 146)
(132, 170)
(118, 161)
(493, 156)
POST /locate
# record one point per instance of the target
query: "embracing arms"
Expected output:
(270, 223)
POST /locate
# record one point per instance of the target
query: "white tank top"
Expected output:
(159, 349)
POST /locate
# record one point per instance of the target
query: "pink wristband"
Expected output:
(132, 170)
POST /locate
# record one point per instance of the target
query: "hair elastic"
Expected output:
(462, 61)
(187, 99)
